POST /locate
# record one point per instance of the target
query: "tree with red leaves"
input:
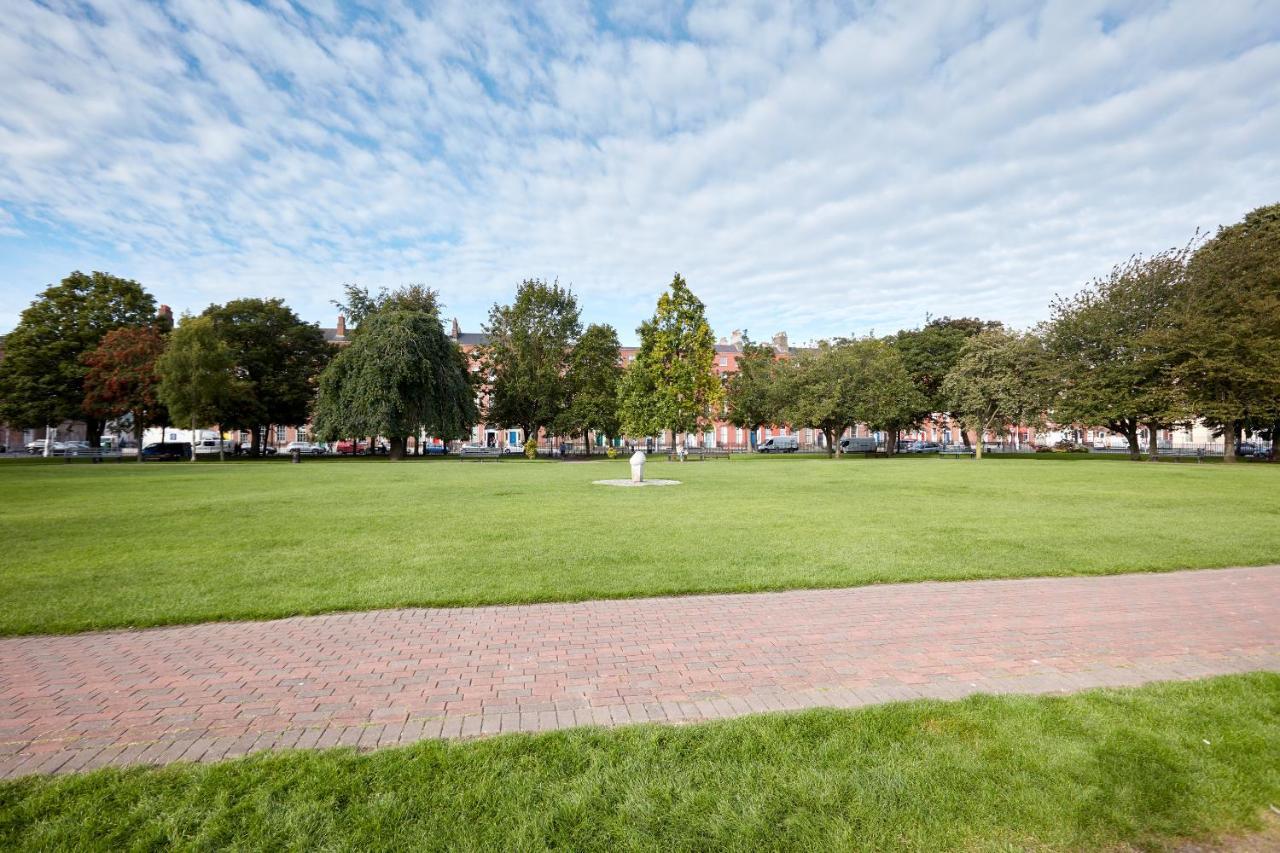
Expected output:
(122, 378)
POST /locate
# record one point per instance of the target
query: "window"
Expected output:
(724, 361)
(739, 435)
(724, 435)
(280, 435)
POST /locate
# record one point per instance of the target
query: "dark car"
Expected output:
(922, 447)
(167, 451)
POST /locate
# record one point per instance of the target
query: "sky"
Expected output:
(819, 168)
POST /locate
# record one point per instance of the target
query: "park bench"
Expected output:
(956, 453)
(698, 454)
(472, 453)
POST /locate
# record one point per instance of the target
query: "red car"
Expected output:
(346, 447)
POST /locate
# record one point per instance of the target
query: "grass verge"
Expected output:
(1141, 766)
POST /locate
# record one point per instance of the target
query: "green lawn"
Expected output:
(1146, 767)
(93, 546)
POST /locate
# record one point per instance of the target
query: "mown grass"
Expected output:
(1143, 766)
(95, 546)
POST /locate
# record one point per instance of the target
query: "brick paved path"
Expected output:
(211, 691)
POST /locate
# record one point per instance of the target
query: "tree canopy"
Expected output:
(753, 391)
(123, 377)
(593, 377)
(671, 385)
(199, 383)
(42, 373)
(1224, 338)
(400, 375)
(1108, 349)
(526, 359)
(996, 382)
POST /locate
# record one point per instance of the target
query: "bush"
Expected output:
(531, 448)
(611, 452)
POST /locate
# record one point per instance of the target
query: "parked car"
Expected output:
(858, 445)
(435, 449)
(921, 447)
(36, 448)
(347, 447)
(1066, 445)
(167, 451)
(779, 444)
(306, 448)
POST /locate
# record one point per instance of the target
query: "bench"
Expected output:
(698, 454)
(479, 453)
(955, 453)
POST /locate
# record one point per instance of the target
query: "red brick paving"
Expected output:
(206, 692)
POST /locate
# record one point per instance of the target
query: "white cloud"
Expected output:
(805, 166)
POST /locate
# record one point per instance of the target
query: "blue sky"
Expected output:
(822, 168)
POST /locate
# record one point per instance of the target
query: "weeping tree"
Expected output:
(400, 375)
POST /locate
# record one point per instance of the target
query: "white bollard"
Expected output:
(637, 466)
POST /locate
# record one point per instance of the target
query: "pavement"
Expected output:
(382, 678)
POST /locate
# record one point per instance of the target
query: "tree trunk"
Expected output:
(890, 441)
(93, 428)
(1131, 435)
(833, 446)
(255, 441)
(977, 443)
(222, 451)
(193, 440)
(1230, 439)
(137, 434)
(1153, 442)
(397, 448)
(964, 438)
(586, 441)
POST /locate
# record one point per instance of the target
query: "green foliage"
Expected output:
(611, 452)
(1225, 335)
(593, 377)
(359, 304)
(399, 375)
(527, 357)
(276, 354)
(1112, 769)
(754, 392)
(531, 448)
(199, 383)
(929, 354)
(42, 372)
(671, 385)
(997, 381)
(1108, 348)
(123, 377)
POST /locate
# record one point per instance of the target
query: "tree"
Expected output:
(527, 357)
(358, 303)
(198, 378)
(400, 375)
(1224, 338)
(593, 377)
(885, 397)
(929, 354)
(277, 355)
(995, 382)
(1108, 350)
(671, 384)
(754, 391)
(819, 392)
(123, 377)
(42, 374)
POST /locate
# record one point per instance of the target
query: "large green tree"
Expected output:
(1109, 350)
(42, 373)
(277, 355)
(754, 392)
(672, 385)
(593, 376)
(358, 302)
(886, 398)
(1225, 336)
(526, 359)
(930, 352)
(199, 379)
(819, 390)
(997, 382)
(123, 378)
(400, 376)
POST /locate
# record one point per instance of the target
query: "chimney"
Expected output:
(780, 342)
(456, 331)
(736, 337)
(342, 326)
(165, 313)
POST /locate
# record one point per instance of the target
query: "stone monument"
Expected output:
(637, 466)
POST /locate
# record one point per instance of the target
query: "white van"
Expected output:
(780, 444)
(858, 445)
